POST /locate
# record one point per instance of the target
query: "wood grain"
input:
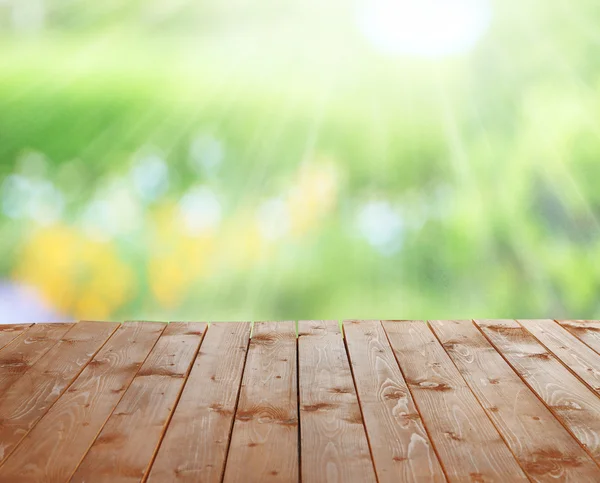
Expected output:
(53, 449)
(30, 397)
(195, 445)
(395, 401)
(334, 445)
(10, 332)
(399, 443)
(588, 331)
(545, 450)
(573, 353)
(266, 420)
(566, 396)
(125, 448)
(26, 350)
(464, 437)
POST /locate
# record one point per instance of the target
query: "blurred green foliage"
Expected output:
(325, 179)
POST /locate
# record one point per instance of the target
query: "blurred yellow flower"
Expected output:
(314, 194)
(79, 277)
(177, 260)
(245, 245)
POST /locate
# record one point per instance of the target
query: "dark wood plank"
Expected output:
(543, 447)
(466, 441)
(577, 356)
(53, 449)
(30, 397)
(399, 443)
(125, 448)
(568, 398)
(25, 351)
(10, 332)
(333, 443)
(587, 331)
(195, 445)
(264, 441)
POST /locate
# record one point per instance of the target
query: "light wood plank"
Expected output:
(125, 448)
(545, 450)
(264, 442)
(10, 332)
(25, 351)
(334, 445)
(399, 443)
(195, 445)
(466, 441)
(53, 449)
(588, 331)
(573, 353)
(30, 397)
(568, 398)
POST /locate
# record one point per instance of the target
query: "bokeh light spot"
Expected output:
(426, 28)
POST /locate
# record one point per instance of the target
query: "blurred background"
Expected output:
(244, 160)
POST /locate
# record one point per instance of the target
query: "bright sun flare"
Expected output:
(424, 28)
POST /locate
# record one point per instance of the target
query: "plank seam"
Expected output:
(28, 369)
(237, 401)
(170, 417)
(62, 392)
(479, 402)
(585, 448)
(568, 329)
(433, 446)
(115, 406)
(362, 414)
(40, 357)
(298, 402)
(17, 337)
(564, 364)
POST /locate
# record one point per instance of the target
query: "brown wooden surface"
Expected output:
(399, 443)
(10, 332)
(53, 449)
(545, 450)
(463, 435)
(195, 445)
(334, 445)
(266, 420)
(588, 331)
(574, 404)
(23, 352)
(583, 361)
(468, 401)
(30, 397)
(126, 445)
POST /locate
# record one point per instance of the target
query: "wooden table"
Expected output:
(489, 400)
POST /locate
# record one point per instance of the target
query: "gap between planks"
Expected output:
(539, 442)
(575, 330)
(527, 360)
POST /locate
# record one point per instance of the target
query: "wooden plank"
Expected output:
(569, 399)
(587, 331)
(399, 443)
(35, 392)
(264, 441)
(333, 442)
(126, 446)
(464, 437)
(25, 351)
(545, 450)
(10, 332)
(573, 353)
(53, 449)
(195, 445)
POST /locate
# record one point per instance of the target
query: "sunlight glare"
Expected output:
(424, 28)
